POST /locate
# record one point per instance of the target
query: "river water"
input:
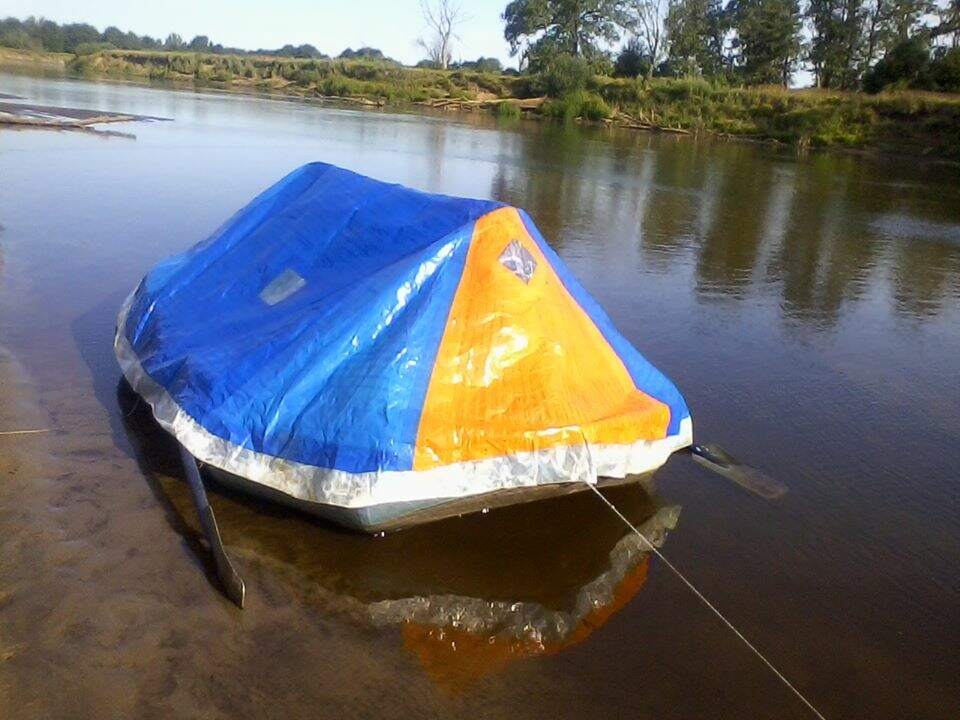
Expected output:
(808, 308)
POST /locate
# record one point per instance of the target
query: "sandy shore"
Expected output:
(155, 640)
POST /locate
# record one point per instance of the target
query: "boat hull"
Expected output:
(392, 516)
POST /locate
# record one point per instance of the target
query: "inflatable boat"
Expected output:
(381, 356)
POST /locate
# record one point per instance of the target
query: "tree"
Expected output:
(173, 42)
(646, 19)
(442, 18)
(574, 27)
(697, 30)
(904, 64)
(200, 43)
(767, 38)
(839, 42)
(950, 22)
(905, 17)
(481, 64)
(52, 36)
(114, 36)
(77, 34)
(364, 52)
(631, 61)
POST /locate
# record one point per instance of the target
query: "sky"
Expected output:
(393, 26)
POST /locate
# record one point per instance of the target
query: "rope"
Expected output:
(22, 432)
(706, 602)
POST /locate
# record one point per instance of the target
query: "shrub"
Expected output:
(91, 48)
(903, 64)
(561, 74)
(945, 71)
(578, 104)
(631, 62)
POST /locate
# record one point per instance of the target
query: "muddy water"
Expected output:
(809, 308)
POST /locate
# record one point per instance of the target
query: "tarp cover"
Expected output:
(353, 342)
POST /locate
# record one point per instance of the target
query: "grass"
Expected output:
(578, 104)
(902, 120)
(801, 117)
(508, 110)
(369, 79)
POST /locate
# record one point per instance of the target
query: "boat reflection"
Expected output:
(469, 595)
(459, 640)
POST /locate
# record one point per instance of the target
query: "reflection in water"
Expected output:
(470, 595)
(461, 639)
(813, 232)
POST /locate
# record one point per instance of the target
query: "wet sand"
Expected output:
(108, 612)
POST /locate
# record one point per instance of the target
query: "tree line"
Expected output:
(82, 38)
(845, 44)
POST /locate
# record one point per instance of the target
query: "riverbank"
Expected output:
(905, 122)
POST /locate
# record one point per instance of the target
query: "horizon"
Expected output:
(392, 27)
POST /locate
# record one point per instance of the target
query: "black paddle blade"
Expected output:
(716, 459)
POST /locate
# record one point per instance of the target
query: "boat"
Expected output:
(382, 357)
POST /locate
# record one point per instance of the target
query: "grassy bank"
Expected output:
(12, 58)
(379, 81)
(905, 120)
(926, 123)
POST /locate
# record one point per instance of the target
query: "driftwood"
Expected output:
(525, 104)
(621, 119)
(12, 119)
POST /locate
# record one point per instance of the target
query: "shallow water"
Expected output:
(808, 308)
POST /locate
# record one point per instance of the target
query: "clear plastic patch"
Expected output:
(518, 260)
(282, 286)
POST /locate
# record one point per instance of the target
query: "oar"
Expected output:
(724, 464)
(231, 581)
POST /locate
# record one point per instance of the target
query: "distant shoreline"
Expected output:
(907, 122)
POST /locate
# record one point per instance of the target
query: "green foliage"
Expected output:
(697, 30)
(361, 53)
(91, 48)
(905, 65)
(560, 74)
(631, 62)
(575, 27)
(14, 37)
(508, 110)
(945, 71)
(768, 39)
(578, 104)
(837, 46)
(481, 64)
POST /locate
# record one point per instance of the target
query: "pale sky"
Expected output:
(392, 26)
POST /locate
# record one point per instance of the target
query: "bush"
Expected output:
(578, 104)
(904, 64)
(631, 62)
(91, 48)
(945, 71)
(19, 40)
(561, 74)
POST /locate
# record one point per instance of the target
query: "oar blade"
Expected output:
(717, 460)
(229, 578)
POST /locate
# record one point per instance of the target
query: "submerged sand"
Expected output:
(108, 613)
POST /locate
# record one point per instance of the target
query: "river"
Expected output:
(808, 307)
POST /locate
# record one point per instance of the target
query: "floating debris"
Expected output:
(49, 116)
